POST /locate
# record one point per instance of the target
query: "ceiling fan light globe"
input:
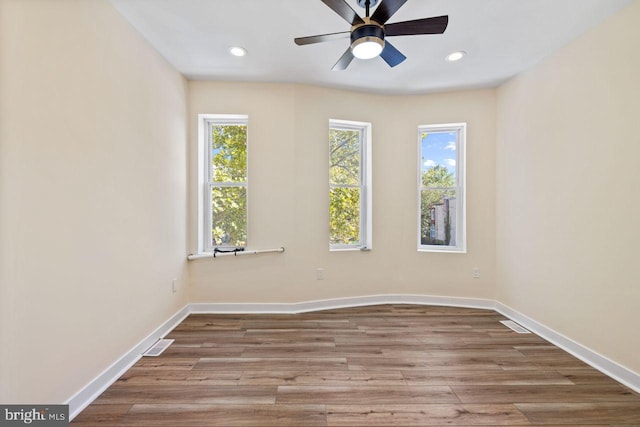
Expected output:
(367, 47)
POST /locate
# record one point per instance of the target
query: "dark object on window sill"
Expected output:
(223, 251)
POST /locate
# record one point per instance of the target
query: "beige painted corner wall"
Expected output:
(93, 206)
(568, 190)
(288, 195)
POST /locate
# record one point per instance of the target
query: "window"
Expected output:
(349, 185)
(441, 188)
(223, 177)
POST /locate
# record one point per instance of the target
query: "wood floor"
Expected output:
(388, 365)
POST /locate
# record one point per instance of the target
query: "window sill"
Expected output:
(351, 249)
(199, 255)
(213, 255)
(443, 250)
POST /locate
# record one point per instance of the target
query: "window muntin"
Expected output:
(224, 217)
(349, 185)
(441, 168)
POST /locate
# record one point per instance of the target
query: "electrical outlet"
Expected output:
(319, 274)
(174, 285)
(475, 272)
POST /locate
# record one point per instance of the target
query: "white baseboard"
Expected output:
(603, 364)
(91, 391)
(330, 304)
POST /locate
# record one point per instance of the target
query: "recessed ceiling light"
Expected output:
(456, 56)
(237, 51)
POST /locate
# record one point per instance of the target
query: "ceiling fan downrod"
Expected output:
(367, 4)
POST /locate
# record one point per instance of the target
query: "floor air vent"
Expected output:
(158, 348)
(514, 326)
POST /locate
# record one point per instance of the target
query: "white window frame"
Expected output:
(461, 187)
(366, 199)
(205, 122)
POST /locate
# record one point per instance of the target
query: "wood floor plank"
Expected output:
(200, 324)
(481, 377)
(323, 378)
(302, 334)
(404, 363)
(265, 363)
(167, 363)
(540, 350)
(499, 339)
(543, 393)
(424, 415)
(586, 376)
(232, 395)
(565, 361)
(500, 356)
(157, 415)
(299, 325)
(627, 413)
(252, 342)
(485, 353)
(186, 352)
(194, 334)
(200, 338)
(382, 340)
(443, 323)
(284, 352)
(365, 395)
(185, 378)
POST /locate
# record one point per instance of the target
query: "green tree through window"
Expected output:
(349, 184)
(435, 182)
(228, 182)
(344, 179)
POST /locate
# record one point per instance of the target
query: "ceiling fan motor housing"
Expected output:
(367, 33)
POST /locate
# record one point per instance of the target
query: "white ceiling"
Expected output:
(501, 37)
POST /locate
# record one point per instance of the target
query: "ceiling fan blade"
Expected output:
(342, 8)
(391, 55)
(435, 25)
(386, 9)
(300, 41)
(344, 61)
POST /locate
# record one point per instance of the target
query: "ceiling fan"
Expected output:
(368, 33)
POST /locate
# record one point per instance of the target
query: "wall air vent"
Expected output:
(515, 327)
(157, 348)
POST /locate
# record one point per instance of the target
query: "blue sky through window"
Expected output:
(439, 148)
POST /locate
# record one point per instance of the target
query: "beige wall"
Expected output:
(288, 195)
(93, 201)
(567, 196)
